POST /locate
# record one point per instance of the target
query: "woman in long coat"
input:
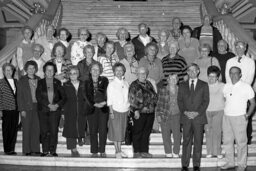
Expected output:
(74, 111)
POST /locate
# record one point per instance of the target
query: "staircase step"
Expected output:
(156, 150)
(84, 161)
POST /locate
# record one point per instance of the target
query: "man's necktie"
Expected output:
(192, 86)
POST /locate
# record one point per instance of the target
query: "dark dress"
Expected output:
(49, 120)
(74, 111)
(97, 118)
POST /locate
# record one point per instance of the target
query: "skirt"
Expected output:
(117, 126)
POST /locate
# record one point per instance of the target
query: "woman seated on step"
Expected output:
(168, 115)
(143, 99)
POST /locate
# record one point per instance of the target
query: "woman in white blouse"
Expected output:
(78, 46)
(117, 100)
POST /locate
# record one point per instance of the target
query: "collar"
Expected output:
(195, 81)
(118, 80)
(65, 43)
(25, 42)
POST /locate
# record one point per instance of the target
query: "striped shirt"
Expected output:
(107, 64)
(175, 65)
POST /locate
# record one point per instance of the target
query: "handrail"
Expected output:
(229, 28)
(38, 23)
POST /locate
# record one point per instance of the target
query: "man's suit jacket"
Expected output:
(42, 95)
(194, 103)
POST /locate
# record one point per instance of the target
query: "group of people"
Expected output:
(177, 82)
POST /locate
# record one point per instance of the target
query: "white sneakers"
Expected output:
(172, 155)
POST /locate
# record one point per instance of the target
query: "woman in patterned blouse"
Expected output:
(143, 99)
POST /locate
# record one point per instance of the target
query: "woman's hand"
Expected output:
(159, 119)
(111, 115)
(136, 115)
(23, 114)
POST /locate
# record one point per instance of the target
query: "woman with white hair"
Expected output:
(130, 63)
(78, 46)
(162, 44)
(122, 36)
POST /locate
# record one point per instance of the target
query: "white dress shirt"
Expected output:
(246, 65)
(117, 95)
(237, 96)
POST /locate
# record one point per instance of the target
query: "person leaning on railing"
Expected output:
(24, 50)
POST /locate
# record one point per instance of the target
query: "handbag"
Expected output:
(128, 131)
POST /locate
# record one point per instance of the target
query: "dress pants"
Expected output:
(234, 128)
(98, 130)
(141, 131)
(171, 125)
(192, 130)
(49, 122)
(10, 122)
(213, 130)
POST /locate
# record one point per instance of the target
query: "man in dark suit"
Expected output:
(193, 100)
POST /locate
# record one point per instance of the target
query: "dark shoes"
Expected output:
(184, 169)
(103, 155)
(81, 141)
(196, 168)
(47, 154)
(75, 153)
(94, 155)
(11, 153)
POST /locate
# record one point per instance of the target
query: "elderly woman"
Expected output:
(168, 115)
(204, 61)
(49, 96)
(77, 48)
(214, 113)
(62, 64)
(162, 44)
(207, 33)
(130, 63)
(143, 99)
(74, 111)
(223, 55)
(188, 45)
(122, 35)
(84, 64)
(38, 50)
(108, 61)
(96, 93)
(176, 29)
(24, 50)
(174, 64)
(117, 100)
(27, 105)
(47, 41)
(64, 36)
(8, 109)
(141, 41)
(152, 63)
(100, 50)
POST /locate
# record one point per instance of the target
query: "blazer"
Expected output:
(42, 95)
(197, 103)
(7, 96)
(99, 95)
(216, 36)
(24, 97)
(139, 47)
